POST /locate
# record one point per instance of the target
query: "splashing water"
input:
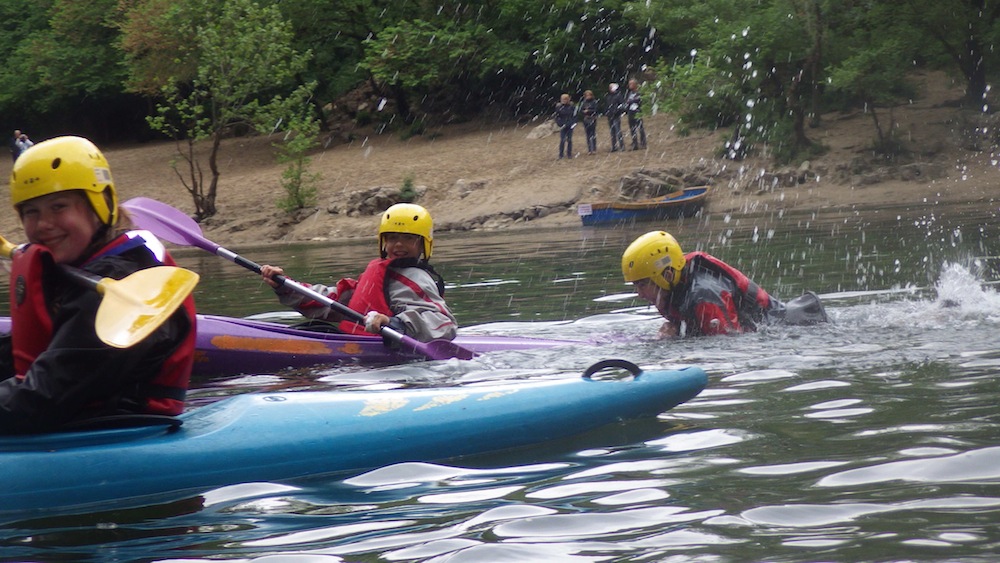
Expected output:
(965, 295)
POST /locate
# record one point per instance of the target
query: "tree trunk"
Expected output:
(402, 104)
(975, 72)
(793, 102)
(814, 66)
(880, 136)
(213, 166)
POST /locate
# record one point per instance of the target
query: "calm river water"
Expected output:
(874, 438)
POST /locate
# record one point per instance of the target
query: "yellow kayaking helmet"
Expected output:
(63, 164)
(407, 218)
(650, 255)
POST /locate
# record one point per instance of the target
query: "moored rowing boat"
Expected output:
(671, 206)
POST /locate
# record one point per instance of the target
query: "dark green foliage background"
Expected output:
(764, 69)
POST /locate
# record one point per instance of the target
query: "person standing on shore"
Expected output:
(15, 149)
(633, 109)
(613, 109)
(565, 116)
(589, 111)
(24, 143)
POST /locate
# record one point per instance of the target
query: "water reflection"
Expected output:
(872, 438)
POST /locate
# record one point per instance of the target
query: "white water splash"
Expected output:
(961, 291)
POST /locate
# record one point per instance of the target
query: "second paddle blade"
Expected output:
(137, 305)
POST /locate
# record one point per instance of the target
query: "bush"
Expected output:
(407, 193)
(414, 129)
(299, 184)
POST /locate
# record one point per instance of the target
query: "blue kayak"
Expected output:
(282, 437)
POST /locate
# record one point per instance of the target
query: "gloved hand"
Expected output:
(374, 321)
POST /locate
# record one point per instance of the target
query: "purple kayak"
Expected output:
(232, 346)
(228, 345)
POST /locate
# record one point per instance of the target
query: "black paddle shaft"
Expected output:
(282, 280)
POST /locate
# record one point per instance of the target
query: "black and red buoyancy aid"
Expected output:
(32, 323)
(718, 299)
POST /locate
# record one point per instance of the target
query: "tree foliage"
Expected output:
(755, 67)
(298, 183)
(764, 70)
(768, 69)
(159, 41)
(877, 76)
(62, 65)
(963, 32)
(244, 78)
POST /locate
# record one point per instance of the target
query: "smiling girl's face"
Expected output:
(63, 222)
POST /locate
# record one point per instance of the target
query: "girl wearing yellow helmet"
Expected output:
(698, 294)
(399, 289)
(53, 367)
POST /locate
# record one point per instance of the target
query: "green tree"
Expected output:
(963, 32)
(336, 36)
(20, 20)
(158, 39)
(414, 59)
(246, 72)
(874, 76)
(460, 56)
(754, 67)
(62, 66)
(76, 57)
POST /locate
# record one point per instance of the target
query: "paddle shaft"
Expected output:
(437, 350)
(298, 288)
(7, 248)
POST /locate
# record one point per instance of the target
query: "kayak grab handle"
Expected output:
(613, 363)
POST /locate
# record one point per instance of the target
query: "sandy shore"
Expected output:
(482, 173)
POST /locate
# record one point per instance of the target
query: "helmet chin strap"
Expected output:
(662, 302)
(669, 274)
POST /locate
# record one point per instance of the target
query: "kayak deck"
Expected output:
(280, 437)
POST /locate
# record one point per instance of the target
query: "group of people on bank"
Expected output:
(616, 104)
(54, 370)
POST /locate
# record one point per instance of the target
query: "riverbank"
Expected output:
(491, 176)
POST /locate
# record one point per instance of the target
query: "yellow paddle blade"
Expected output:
(134, 307)
(7, 248)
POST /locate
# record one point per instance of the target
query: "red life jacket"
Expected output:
(370, 292)
(32, 323)
(709, 308)
(30, 319)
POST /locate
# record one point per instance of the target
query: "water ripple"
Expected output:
(816, 515)
(975, 465)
